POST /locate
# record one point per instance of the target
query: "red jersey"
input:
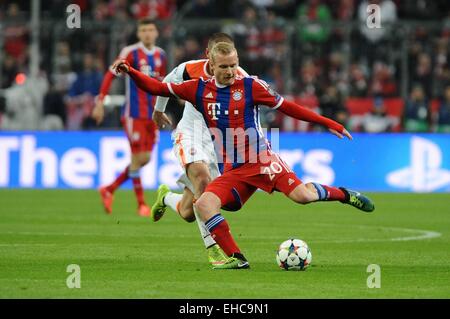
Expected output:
(231, 113)
(138, 103)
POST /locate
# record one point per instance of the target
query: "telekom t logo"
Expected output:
(214, 109)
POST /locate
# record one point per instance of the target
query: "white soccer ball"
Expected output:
(294, 254)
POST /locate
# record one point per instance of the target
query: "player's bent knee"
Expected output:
(301, 195)
(202, 205)
(207, 205)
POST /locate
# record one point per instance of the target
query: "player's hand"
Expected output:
(98, 113)
(121, 66)
(341, 135)
(161, 119)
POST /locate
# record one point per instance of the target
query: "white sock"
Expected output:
(172, 200)
(206, 235)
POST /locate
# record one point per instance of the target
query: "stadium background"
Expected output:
(393, 80)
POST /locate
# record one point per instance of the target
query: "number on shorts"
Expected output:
(273, 169)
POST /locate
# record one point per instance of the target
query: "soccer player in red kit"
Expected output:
(137, 121)
(230, 102)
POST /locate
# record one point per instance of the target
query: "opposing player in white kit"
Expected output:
(194, 150)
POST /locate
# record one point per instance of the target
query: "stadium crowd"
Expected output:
(318, 52)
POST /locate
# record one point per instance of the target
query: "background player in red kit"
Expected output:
(141, 131)
(227, 101)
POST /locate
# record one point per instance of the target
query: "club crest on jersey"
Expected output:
(237, 95)
(145, 68)
(213, 110)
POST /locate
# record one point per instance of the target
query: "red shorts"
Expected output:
(142, 134)
(236, 186)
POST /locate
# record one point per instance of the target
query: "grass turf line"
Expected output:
(127, 256)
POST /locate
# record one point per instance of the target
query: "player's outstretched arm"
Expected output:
(98, 113)
(302, 113)
(143, 81)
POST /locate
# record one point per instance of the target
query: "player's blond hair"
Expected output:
(223, 48)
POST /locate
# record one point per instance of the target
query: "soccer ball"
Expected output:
(294, 254)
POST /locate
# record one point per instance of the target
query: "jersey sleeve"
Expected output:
(175, 76)
(265, 95)
(186, 90)
(242, 72)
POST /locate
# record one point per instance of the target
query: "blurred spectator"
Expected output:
(101, 11)
(358, 81)
(282, 8)
(24, 104)
(262, 3)
(274, 77)
(273, 37)
(190, 50)
(420, 9)
(81, 95)
(15, 34)
(153, 9)
(416, 116)
(202, 8)
(9, 71)
(314, 29)
(62, 59)
(443, 119)
(345, 10)
(247, 36)
(343, 13)
(308, 84)
(237, 8)
(446, 25)
(314, 16)
(61, 81)
(383, 84)
(378, 121)
(54, 105)
(441, 67)
(422, 74)
(337, 72)
(331, 105)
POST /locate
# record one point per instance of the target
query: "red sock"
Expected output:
(138, 190)
(119, 181)
(334, 193)
(220, 232)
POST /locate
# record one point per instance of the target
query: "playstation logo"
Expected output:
(425, 173)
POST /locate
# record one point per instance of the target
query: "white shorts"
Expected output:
(187, 151)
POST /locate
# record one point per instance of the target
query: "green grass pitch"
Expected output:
(127, 256)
